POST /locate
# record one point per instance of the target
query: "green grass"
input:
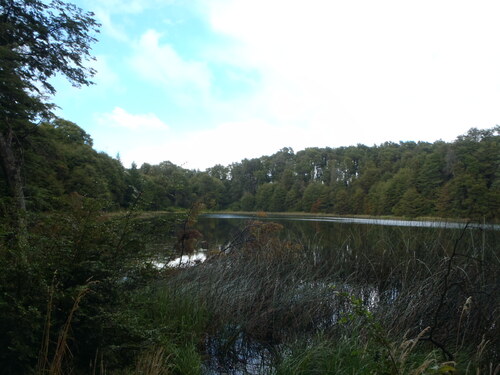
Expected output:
(175, 325)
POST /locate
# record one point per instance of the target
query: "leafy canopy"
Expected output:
(39, 39)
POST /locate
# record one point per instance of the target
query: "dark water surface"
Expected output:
(325, 231)
(352, 220)
(369, 248)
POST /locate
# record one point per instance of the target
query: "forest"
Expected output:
(86, 244)
(460, 179)
(81, 291)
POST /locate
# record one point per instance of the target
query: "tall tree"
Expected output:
(38, 39)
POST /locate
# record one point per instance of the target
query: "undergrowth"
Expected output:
(82, 296)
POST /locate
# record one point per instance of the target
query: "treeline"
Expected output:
(412, 179)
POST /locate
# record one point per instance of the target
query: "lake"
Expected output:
(272, 281)
(366, 234)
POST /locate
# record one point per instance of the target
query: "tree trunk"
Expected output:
(11, 164)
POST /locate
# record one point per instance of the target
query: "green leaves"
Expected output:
(37, 41)
(45, 39)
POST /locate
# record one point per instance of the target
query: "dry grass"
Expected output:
(55, 364)
(152, 362)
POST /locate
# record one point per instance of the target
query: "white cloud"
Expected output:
(327, 73)
(199, 150)
(391, 69)
(162, 65)
(105, 76)
(339, 73)
(230, 142)
(120, 118)
(103, 16)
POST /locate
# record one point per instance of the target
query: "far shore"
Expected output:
(321, 214)
(263, 214)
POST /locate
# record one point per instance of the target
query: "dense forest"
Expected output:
(86, 291)
(460, 179)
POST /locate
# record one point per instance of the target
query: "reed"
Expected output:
(280, 290)
(55, 365)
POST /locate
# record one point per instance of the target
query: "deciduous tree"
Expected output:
(38, 39)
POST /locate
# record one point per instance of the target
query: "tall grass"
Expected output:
(56, 364)
(371, 301)
(174, 327)
(285, 291)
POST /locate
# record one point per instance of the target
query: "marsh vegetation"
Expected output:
(272, 297)
(90, 283)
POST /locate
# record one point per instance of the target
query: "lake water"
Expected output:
(367, 258)
(219, 230)
(351, 220)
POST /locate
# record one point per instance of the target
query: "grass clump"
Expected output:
(174, 327)
(351, 354)
(372, 304)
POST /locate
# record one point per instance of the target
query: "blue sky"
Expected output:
(205, 82)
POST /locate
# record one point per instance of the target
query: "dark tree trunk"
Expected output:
(11, 164)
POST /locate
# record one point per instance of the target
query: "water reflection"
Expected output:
(351, 220)
(238, 355)
(183, 261)
(365, 258)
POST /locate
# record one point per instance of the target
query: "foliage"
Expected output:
(420, 180)
(69, 251)
(37, 41)
(351, 353)
(175, 325)
(60, 161)
(45, 39)
(314, 305)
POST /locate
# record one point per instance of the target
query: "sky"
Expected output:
(206, 82)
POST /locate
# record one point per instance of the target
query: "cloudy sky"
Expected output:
(205, 82)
